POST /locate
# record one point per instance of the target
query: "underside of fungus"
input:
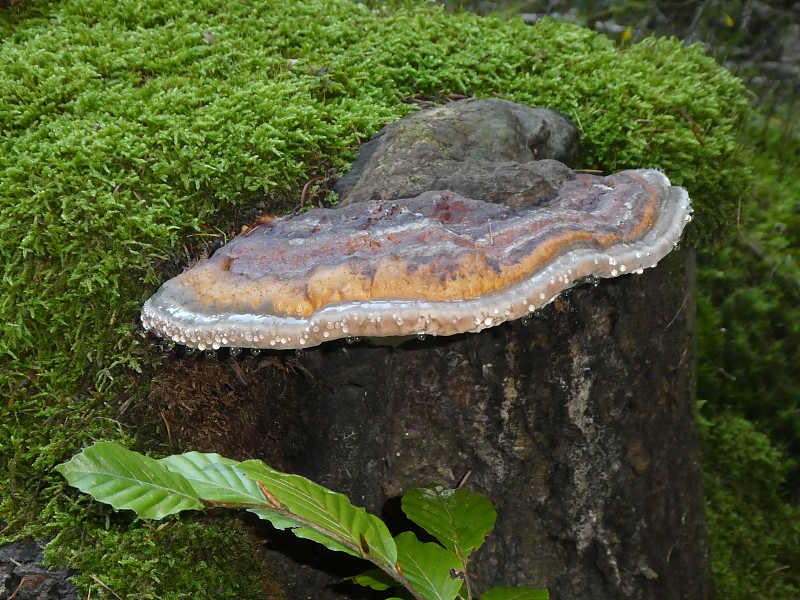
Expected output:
(437, 264)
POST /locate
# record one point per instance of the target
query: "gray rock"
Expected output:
(490, 149)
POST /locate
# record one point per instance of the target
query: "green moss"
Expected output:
(755, 533)
(127, 125)
(195, 559)
(749, 304)
(748, 352)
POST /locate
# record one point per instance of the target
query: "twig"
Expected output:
(98, 580)
(307, 187)
(680, 309)
(166, 424)
(696, 131)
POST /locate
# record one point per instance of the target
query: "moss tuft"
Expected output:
(207, 558)
(755, 534)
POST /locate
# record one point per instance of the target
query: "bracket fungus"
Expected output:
(437, 264)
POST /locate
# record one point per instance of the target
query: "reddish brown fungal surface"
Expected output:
(437, 264)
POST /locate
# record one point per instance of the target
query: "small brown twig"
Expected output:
(100, 581)
(307, 187)
(166, 425)
(696, 131)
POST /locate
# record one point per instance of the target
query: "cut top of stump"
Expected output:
(437, 264)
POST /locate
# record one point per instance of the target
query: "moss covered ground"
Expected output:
(749, 380)
(127, 127)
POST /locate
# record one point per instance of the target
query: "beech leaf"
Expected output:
(374, 578)
(350, 528)
(125, 479)
(459, 519)
(515, 593)
(215, 478)
(431, 569)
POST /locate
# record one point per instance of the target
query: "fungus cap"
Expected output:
(437, 264)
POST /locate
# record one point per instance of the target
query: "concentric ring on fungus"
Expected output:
(437, 264)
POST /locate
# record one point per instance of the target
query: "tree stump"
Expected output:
(578, 424)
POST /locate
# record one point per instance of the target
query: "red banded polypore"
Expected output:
(437, 264)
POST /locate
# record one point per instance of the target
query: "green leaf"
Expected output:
(351, 528)
(300, 529)
(459, 519)
(431, 569)
(515, 593)
(375, 579)
(330, 542)
(128, 480)
(215, 478)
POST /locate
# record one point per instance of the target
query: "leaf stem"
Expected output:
(465, 571)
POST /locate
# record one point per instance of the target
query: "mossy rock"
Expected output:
(127, 127)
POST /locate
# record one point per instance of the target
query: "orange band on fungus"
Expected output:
(437, 264)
